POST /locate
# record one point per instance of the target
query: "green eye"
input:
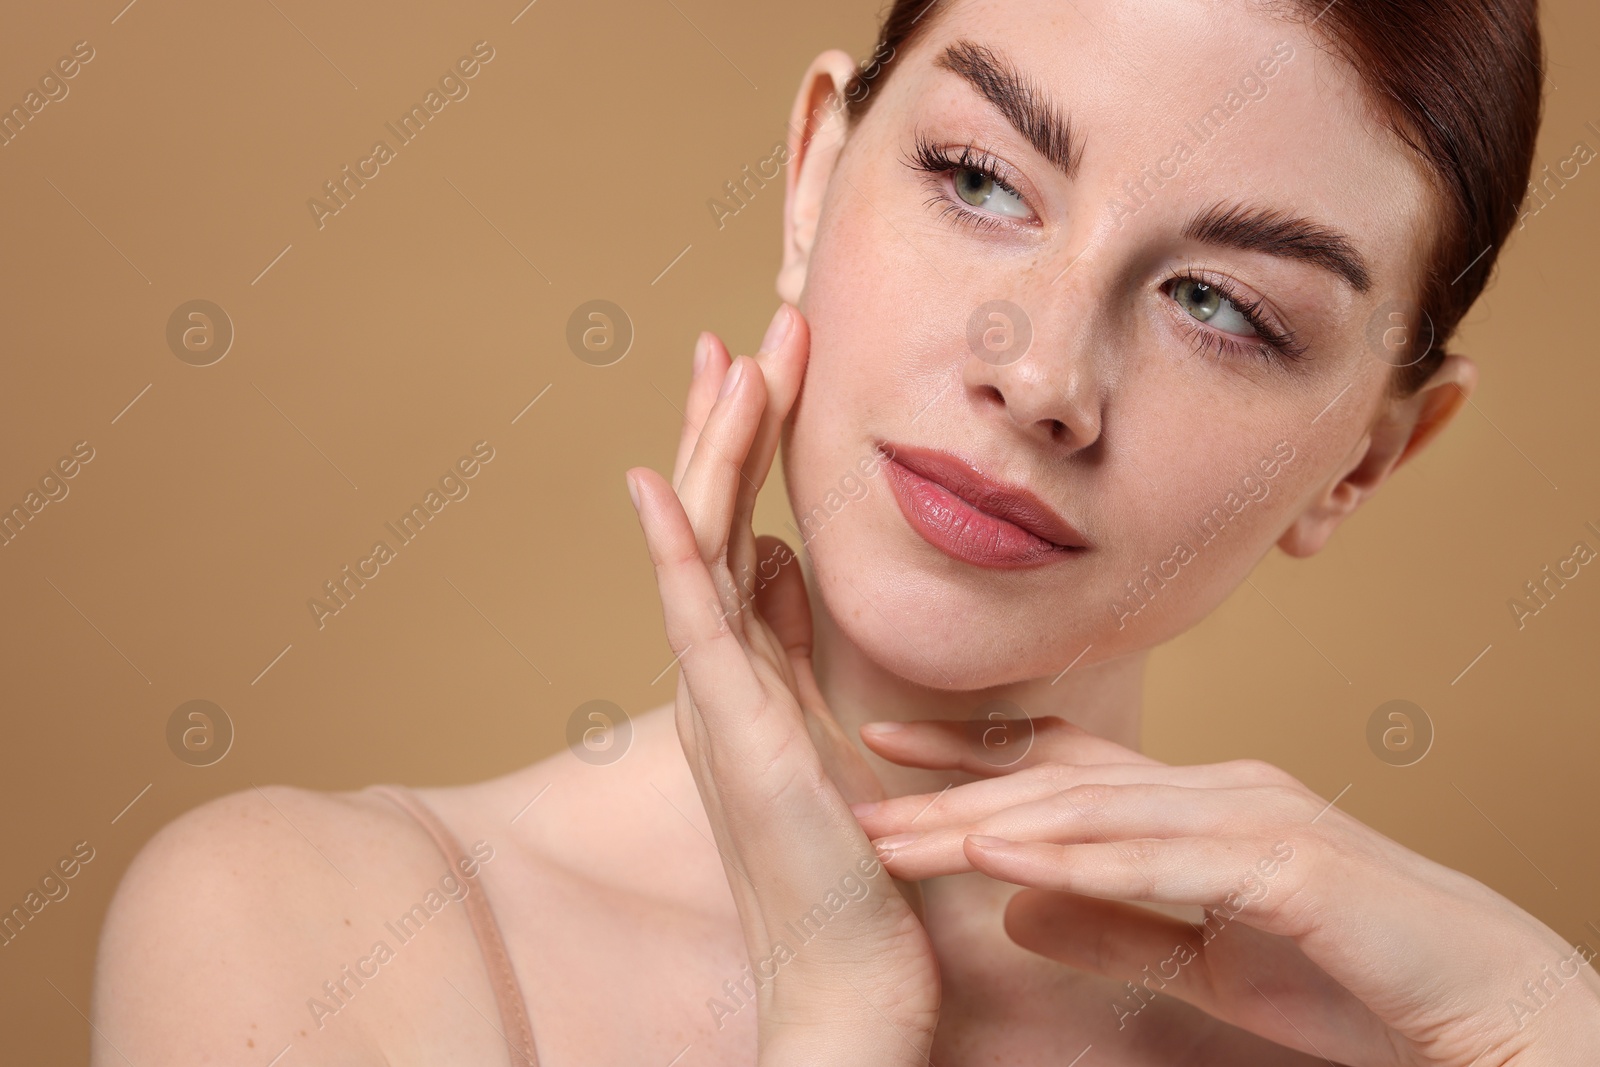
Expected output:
(978, 189)
(1206, 303)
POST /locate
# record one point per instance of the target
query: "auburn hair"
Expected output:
(1459, 81)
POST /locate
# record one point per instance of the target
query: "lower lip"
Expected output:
(961, 531)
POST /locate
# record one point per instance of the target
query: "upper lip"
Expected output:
(1013, 503)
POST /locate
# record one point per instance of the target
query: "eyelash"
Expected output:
(1270, 344)
(937, 162)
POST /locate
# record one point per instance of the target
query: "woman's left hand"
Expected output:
(1320, 933)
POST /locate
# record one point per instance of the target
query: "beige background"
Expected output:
(431, 310)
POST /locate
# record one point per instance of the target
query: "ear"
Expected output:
(816, 137)
(1402, 430)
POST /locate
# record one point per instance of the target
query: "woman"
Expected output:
(1086, 307)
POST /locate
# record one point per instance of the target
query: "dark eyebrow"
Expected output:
(1252, 229)
(1257, 229)
(1018, 99)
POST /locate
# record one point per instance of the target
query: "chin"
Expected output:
(897, 629)
(906, 609)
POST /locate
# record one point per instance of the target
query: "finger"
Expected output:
(1221, 968)
(993, 746)
(749, 770)
(713, 661)
(1231, 875)
(967, 805)
(1094, 813)
(709, 489)
(782, 359)
(710, 366)
(1102, 937)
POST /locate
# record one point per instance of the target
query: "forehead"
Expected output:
(1211, 99)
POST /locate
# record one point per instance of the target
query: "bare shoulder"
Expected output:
(241, 916)
(331, 924)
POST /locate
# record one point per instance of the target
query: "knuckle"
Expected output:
(1141, 851)
(1056, 728)
(1290, 801)
(674, 556)
(1103, 945)
(1259, 772)
(1287, 879)
(1264, 807)
(1050, 772)
(1088, 798)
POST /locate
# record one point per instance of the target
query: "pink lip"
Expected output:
(972, 517)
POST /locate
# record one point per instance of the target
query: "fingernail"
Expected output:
(865, 808)
(882, 728)
(777, 330)
(700, 347)
(985, 841)
(731, 382)
(887, 847)
(633, 490)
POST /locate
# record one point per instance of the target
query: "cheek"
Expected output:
(870, 357)
(886, 297)
(888, 345)
(1198, 501)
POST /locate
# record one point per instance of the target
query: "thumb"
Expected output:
(1218, 966)
(1105, 937)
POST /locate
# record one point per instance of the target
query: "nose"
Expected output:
(1035, 367)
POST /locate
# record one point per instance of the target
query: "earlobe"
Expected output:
(1339, 497)
(1403, 430)
(816, 136)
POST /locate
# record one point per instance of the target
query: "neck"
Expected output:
(1103, 698)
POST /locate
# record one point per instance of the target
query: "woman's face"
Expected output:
(1078, 329)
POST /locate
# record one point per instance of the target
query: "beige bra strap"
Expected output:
(507, 993)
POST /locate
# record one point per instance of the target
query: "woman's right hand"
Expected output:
(853, 977)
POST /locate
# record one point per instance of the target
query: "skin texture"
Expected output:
(624, 921)
(1103, 417)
